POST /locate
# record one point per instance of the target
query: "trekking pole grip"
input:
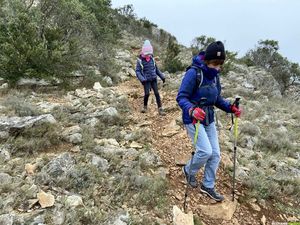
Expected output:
(237, 101)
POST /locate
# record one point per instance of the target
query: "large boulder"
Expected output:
(15, 124)
(60, 165)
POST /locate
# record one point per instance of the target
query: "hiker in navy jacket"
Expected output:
(199, 92)
(147, 72)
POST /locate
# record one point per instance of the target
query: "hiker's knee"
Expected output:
(204, 153)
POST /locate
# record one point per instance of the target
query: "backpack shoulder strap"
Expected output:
(140, 62)
(154, 62)
(199, 76)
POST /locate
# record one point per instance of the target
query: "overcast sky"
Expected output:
(240, 23)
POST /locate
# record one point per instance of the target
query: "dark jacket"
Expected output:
(147, 71)
(189, 94)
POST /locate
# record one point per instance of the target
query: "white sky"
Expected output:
(240, 23)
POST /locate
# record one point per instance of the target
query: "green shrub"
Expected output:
(88, 142)
(250, 129)
(153, 193)
(262, 186)
(36, 139)
(53, 39)
(275, 141)
(20, 106)
(171, 61)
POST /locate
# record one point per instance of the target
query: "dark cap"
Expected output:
(215, 50)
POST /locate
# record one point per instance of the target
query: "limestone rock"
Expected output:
(32, 81)
(107, 142)
(83, 93)
(122, 219)
(13, 124)
(72, 134)
(223, 210)
(110, 112)
(180, 218)
(45, 200)
(4, 86)
(5, 179)
(181, 160)
(226, 161)
(171, 129)
(47, 107)
(130, 72)
(255, 207)
(30, 168)
(73, 201)
(136, 145)
(97, 86)
(60, 165)
(150, 159)
(100, 163)
(4, 153)
(6, 219)
(263, 220)
(108, 81)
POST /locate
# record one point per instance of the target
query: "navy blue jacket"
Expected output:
(147, 71)
(189, 94)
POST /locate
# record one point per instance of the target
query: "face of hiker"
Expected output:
(216, 67)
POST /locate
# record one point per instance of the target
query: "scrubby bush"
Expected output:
(250, 129)
(20, 107)
(36, 139)
(275, 141)
(262, 186)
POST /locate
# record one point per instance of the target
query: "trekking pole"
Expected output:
(235, 132)
(190, 169)
(193, 153)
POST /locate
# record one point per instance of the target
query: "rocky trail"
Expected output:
(170, 142)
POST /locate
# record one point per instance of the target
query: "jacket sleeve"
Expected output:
(221, 103)
(139, 72)
(186, 90)
(159, 73)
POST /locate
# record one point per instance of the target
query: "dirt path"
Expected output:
(173, 147)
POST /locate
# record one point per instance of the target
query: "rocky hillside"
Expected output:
(89, 156)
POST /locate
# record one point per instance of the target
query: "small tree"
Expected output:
(266, 55)
(201, 43)
(127, 11)
(171, 61)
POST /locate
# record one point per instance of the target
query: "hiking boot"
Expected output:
(144, 110)
(193, 181)
(161, 111)
(211, 193)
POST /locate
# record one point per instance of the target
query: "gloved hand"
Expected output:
(197, 113)
(237, 111)
(163, 80)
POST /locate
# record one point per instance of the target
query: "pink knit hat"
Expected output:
(147, 48)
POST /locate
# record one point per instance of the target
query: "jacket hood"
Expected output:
(198, 61)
